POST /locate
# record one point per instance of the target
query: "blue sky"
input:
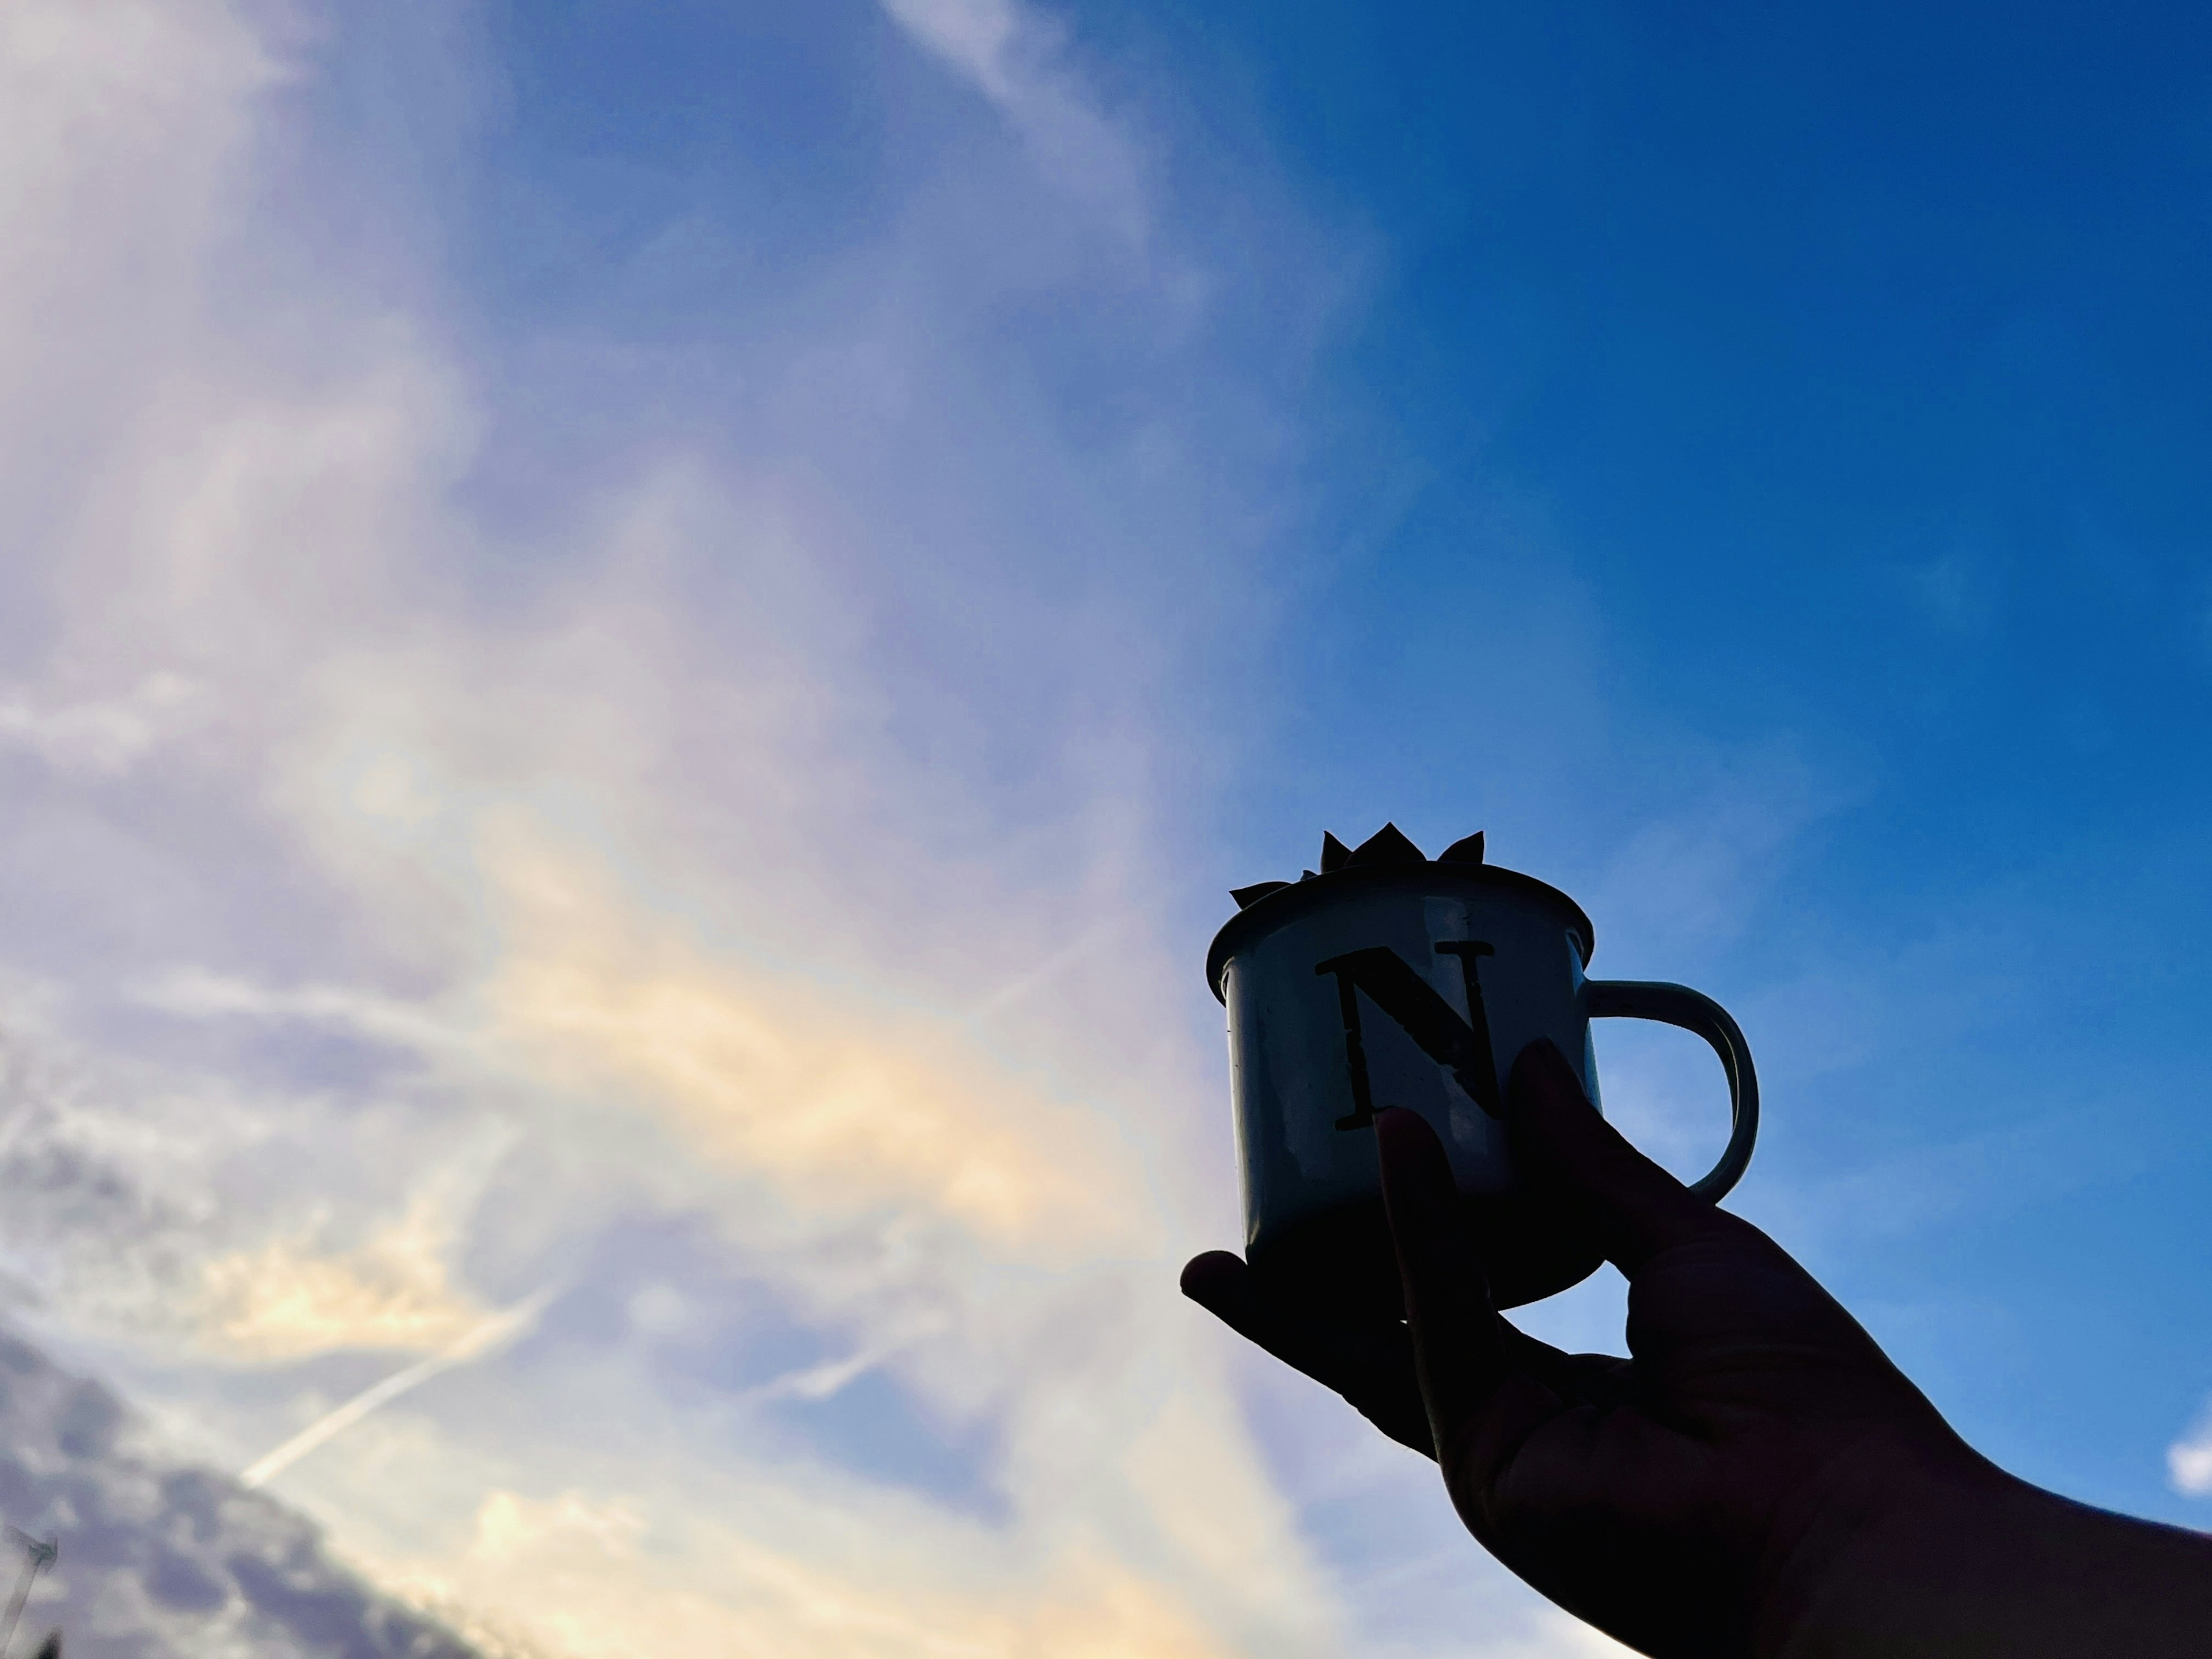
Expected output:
(648, 638)
(1837, 381)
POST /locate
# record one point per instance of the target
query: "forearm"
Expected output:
(1993, 1568)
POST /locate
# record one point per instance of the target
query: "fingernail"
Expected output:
(1544, 1052)
(1398, 1132)
(1542, 1063)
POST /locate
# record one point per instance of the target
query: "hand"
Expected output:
(1759, 1479)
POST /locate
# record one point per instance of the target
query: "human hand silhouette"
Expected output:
(1758, 1479)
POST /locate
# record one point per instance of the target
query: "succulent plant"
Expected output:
(1387, 846)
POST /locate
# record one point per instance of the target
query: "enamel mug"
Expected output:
(1388, 979)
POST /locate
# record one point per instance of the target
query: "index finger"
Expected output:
(1635, 1208)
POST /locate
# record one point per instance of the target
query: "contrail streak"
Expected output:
(496, 1332)
(820, 1382)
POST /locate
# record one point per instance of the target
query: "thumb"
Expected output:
(1637, 1208)
(1459, 1352)
(1482, 1405)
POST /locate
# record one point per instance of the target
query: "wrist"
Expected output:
(1961, 1561)
(1875, 1542)
(1911, 1556)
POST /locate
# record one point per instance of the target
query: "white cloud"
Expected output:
(200, 994)
(159, 1558)
(671, 838)
(2189, 1461)
(1014, 56)
(103, 737)
(649, 879)
(285, 1298)
(977, 37)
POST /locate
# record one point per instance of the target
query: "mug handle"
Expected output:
(1693, 1010)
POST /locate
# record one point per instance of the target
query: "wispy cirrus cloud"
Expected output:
(1010, 52)
(727, 882)
(667, 844)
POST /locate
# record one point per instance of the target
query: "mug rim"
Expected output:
(1291, 903)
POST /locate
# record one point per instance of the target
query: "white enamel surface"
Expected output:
(1290, 1075)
